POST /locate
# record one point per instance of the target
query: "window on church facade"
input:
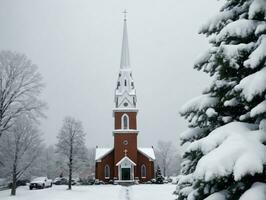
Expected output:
(125, 122)
(107, 171)
(143, 171)
(125, 82)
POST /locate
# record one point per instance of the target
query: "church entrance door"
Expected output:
(125, 173)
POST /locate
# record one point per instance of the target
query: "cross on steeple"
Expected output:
(125, 14)
(125, 151)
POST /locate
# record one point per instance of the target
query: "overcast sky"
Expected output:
(77, 46)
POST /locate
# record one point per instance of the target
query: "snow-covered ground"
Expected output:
(95, 192)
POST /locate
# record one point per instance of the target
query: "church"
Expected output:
(125, 162)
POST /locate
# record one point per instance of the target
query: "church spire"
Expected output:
(124, 64)
(125, 93)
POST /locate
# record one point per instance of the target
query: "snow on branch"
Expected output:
(191, 134)
(236, 148)
(217, 196)
(252, 85)
(199, 103)
(259, 109)
(218, 21)
(241, 28)
(258, 55)
(257, 7)
(256, 192)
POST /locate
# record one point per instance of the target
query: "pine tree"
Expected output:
(158, 176)
(234, 102)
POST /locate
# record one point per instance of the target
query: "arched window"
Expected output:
(125, 82)
(125, 121)
(143, 171)
(107, 171)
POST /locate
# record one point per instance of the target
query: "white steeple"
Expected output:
(125, 93)
(125, 50)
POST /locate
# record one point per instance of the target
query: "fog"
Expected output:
(77, 46)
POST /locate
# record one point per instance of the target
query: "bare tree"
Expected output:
(20, 87)
(71, 145)
(20, 148)
(166, 157)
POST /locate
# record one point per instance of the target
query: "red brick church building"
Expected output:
(125, 162)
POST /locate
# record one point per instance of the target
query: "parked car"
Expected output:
(3, 183)
(60, 181)
(21, 182)
(40, 183)
(74, 182)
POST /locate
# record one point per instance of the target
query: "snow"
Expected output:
(185, 179)
(101, 152)
(186, 190)
(94, 192)
(259, 109)
(231, 103)
(258, 55)
(217, 196)
(256, 192)
(191, 133)
(261, 28)
(210, 112)
(233, 52)
(257, 6)
(252, 85)
(217, 21)
(198, 103)
(241, 28)
(229, 150)
(147, 152)
(262, 125)
(227, 119)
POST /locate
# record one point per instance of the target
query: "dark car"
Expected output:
(60, 181)
(21, 182)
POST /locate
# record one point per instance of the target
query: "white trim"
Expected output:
(119, 167)
(125, 131)
(125, 158)
(125, 110)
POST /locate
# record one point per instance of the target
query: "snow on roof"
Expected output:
(149, 152)
(101, 152)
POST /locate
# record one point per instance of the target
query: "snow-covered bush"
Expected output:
(226, 157)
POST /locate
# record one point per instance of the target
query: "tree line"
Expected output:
(23, 153)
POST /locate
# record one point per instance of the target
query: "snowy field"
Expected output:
(95, 192)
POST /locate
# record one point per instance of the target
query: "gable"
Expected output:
(147, 152)
(102, 152)
(126, 161)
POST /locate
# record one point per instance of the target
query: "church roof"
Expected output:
(149, 152)
(102, 152)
